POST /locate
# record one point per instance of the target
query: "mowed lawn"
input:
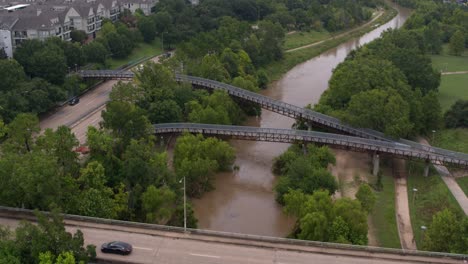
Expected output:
(452, 88)
(141, 51)
(463, 183)
(453, 139)
(300, 38)
(449, 63)
(383, 216)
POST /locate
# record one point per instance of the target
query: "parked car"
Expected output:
(116, 247)
(74, 101)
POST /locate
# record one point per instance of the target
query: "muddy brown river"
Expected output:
(244, 200)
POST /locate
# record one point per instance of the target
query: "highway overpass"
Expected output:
(163, 244)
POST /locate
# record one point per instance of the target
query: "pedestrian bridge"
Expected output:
(373, 146)
(312, 117)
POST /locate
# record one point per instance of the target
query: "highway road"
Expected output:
(170, 247)
(86, 113)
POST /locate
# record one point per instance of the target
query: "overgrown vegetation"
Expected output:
(44, 243)
(383, 215)
(432, 196)
(304, 188)
(305, 169)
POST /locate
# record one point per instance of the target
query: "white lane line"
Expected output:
(143, 248)
(91, 101)
(206, 256)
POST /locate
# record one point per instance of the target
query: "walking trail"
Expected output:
(402, 206)
(449, 180)
(455, 72)
(380, 13)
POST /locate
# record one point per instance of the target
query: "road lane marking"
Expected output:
(206, 256)
(143, 248)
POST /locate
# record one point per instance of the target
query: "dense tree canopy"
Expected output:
(44, 243)
(388, 85)
(196, 159)
(306, 172)
(322, 219)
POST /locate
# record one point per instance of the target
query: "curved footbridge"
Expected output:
(437, 155)
(377, 147)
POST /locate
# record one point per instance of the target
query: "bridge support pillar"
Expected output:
(426, 169)
(309, 126)
(376, 163)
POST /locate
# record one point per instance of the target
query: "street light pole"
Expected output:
(433, 134)
(185, 208)
(423, 229)
(414, 194)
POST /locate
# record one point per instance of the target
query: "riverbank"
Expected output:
(292, 59)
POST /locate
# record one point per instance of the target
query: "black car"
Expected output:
(117, 247)
(74, 101)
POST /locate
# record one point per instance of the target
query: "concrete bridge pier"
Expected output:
(426, 169)
(376, 163)
(309, 126)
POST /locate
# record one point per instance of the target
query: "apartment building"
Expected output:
(40, 19)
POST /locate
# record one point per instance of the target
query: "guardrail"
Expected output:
(17, 212)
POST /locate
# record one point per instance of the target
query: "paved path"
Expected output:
(455, 72)
(336, 36)
(449, 180)
(455, 189)
(403, 214)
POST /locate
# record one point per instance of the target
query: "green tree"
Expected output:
(48, 63)
(457, 115)
(380, 110)
(126, 120)
(196, 159)
(20, 132)
(366, 197)
(158, 204)
(50, 236)
(11, 74)
(447, 233)
(457, 43)
(60, 144)
(147, 28)
(78, 36)
(95, 52)
(95, 198)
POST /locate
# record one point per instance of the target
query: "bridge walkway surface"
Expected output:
(312, 117)
(163, 244)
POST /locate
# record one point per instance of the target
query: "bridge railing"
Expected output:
(18, 213)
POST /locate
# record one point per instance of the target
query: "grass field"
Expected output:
(432, 196)
(299, 38)
(143, 50)
(463, 183)
(291, 59)
(383, 215)
(453, 139)
(448, 63)
(452, 88)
